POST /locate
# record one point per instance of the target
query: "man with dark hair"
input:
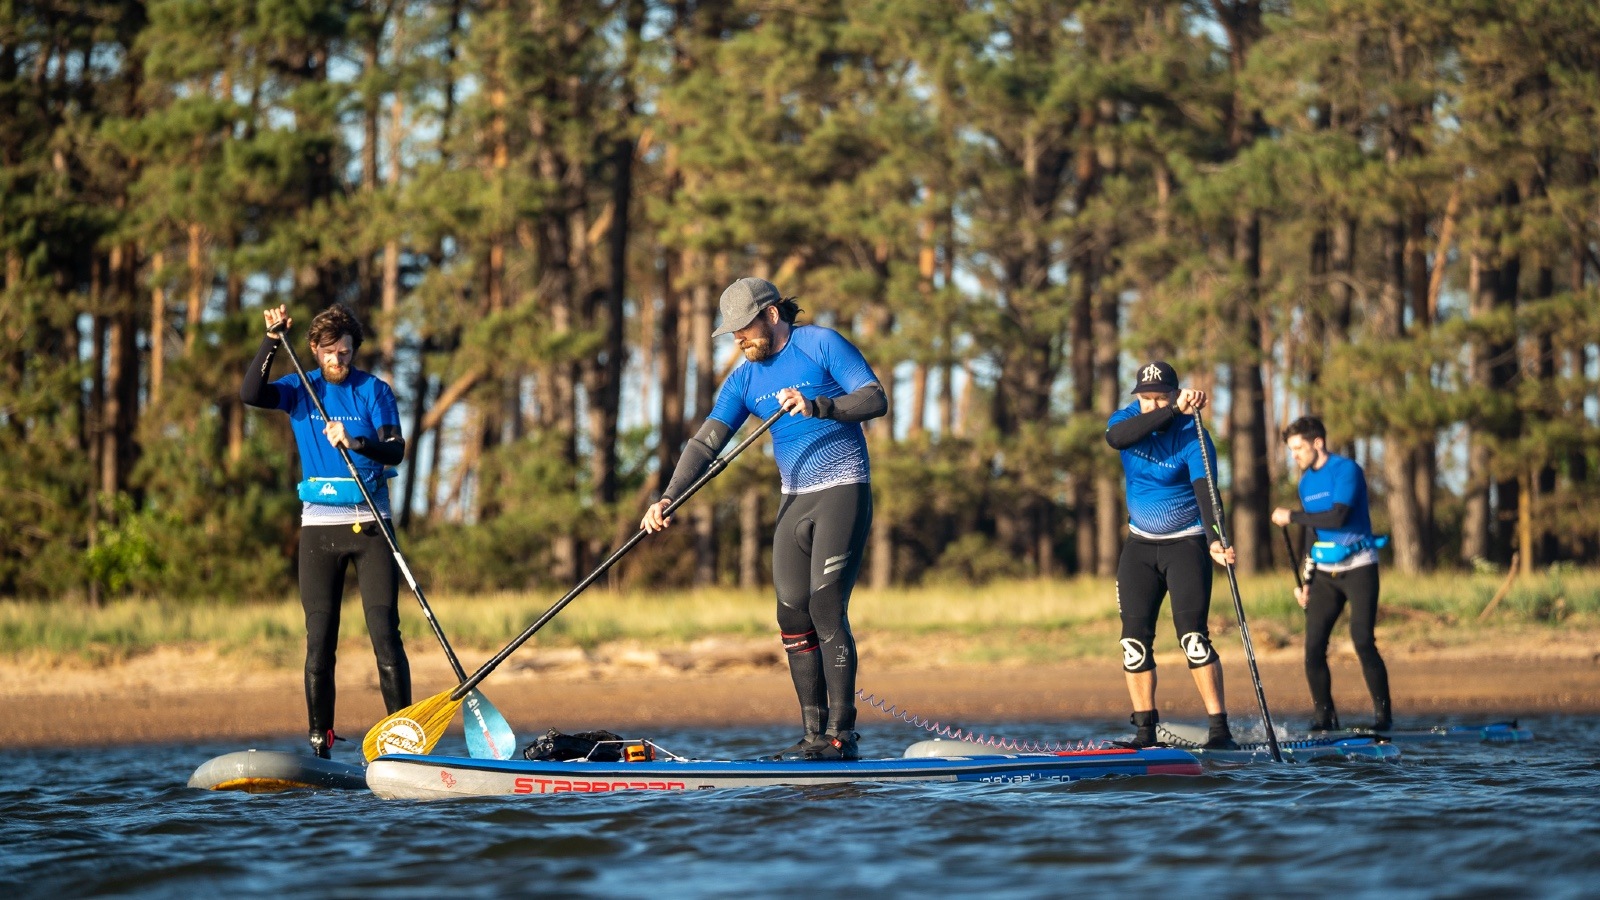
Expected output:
(336, 525)
(1169, 520)
(1341, 568)
(827, 388)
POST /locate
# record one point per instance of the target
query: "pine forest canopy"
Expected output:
(1383, 213)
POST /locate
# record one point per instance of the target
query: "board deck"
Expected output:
(272, 771)
(405, 776)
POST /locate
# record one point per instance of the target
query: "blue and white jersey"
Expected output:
(363, 403)
(812, 453)
(1340, 480)
(1161, 470)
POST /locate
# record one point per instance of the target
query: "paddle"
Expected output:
(491, 737)
(417, 728)
(1294, 557)
(1233, 585)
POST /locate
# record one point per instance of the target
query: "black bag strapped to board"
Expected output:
(594, 746)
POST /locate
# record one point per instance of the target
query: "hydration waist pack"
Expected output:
(340, 491)
(1329, 553)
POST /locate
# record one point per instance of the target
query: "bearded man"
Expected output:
(827, 388)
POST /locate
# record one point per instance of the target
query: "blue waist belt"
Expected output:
(1330, 553)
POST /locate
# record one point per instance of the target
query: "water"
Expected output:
(1448, 819)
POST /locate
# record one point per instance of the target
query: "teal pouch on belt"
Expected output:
(338, 491)
(1330, 553)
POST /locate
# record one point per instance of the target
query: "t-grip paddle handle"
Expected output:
(717, 465)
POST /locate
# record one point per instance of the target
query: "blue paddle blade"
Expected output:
(489, 736)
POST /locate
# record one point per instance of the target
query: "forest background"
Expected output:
(1383, 212)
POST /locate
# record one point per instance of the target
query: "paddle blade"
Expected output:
(489, 735)
(415, 729)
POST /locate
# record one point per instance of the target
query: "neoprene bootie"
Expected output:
(1144, 723)
(1220, 737)
(1324, 718)
(811, 718)
(836, 747)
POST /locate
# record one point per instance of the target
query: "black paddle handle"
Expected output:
(1233, 585)
(394, 547)
(717, 465)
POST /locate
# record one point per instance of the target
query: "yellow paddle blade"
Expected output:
(415, 729)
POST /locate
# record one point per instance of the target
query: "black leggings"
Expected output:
(324, 551)
(816, 556)
(1146, 572)
(1328, 595)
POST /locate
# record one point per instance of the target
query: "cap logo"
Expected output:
(1150, 373)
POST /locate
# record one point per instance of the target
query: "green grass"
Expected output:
(1021, 621)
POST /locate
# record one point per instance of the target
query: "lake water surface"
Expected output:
(1454, 820)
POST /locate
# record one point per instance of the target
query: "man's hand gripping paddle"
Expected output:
(418, 727)
(1233, 585)
(489, 735)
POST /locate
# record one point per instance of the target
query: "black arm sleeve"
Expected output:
(1202, 493)
(863, 403)
(1128, 432)
(697, 456)
(256, 390)
(389, 449)
(1333, 517)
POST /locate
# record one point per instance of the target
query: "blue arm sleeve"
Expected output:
(1197, 465)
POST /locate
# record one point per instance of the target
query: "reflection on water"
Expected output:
(1447, 819)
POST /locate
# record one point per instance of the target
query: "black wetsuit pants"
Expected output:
(816, 555)
(1329, 594)
(324, 551)
(1146, 572)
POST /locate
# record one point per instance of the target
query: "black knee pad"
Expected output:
(1197, 649)
(794, 619)
(1136, 655)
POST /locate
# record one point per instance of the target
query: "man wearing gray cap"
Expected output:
(827, 388)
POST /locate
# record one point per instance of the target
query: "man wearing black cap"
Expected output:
(824, 384)
(1169, 520)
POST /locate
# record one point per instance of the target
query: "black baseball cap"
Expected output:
(1157, 376)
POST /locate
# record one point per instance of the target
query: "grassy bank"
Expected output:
(1020, 620)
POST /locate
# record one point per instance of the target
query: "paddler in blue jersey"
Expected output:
(1341, 568)
(1168, 550)
(827, 388)
(336, 525)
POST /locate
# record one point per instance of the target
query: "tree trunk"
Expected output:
(1399, 460)
(751, 538)
(1475, 525)
(1252, 486)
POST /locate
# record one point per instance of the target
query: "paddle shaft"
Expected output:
(394, 548)
(1233, 586)
(717, 465)
(1294, 558)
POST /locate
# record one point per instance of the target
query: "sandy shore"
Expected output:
(194, 694)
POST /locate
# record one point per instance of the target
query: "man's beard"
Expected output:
(335, 374)
(758, 348)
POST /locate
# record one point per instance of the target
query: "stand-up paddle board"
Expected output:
(1497, 733)
(271, 771)
(1191, 737)
(405, 776)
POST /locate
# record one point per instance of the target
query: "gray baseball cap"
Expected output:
(743, 301)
